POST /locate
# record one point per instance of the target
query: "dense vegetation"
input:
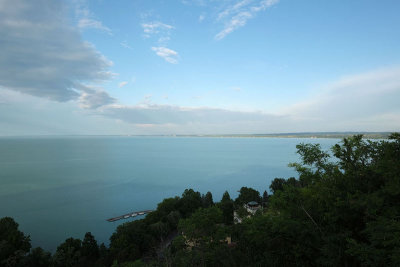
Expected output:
(343, 210)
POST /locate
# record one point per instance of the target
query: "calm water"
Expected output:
(60, 187)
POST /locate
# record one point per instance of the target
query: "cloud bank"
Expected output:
(42, 55)
(361, 102)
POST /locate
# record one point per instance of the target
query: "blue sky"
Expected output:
(198, 66)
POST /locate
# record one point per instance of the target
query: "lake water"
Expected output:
(58, 187)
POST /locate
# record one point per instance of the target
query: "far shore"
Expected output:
(332, 135)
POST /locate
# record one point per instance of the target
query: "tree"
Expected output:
(202, 223)
(14, 245)
(68, 254)
(131, 240)
(207, 200)
(277, 185)
(246, 195)
(226, 197)
(265, 198)
(38, 258)
(227, 208)
(90, 249)
(189, 202)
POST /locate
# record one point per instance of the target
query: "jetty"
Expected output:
(129, 215)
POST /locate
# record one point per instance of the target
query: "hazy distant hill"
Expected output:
(367, 135)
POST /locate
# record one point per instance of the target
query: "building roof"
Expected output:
(252, 203)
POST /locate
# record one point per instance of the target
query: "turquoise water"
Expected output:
(60, 187)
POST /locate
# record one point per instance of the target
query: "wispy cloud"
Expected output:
(237, 15)
(233, 9)
(122, 84)
(87, 23)
(166, 114)
(169, 55)
(162, 32)
(125, 45)
(353, 102)
(151, 28)
(362, 102)
(86, 19)
(202, 17)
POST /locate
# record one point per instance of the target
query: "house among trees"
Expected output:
(252, 207)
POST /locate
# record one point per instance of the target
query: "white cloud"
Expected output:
(233, 8)
(237, 21)
(122, 84)
(162, 31)
(201, 18)
(155, 27)
(169, 55)
(165, 114)
(363, 102)
(87, 23)
(194, 2)
(237, 15)
(353, 102)
(163, 40)
(41, 55)
(86, 20)
(125, 45)
(94, 98)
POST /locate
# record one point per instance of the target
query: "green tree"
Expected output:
(247, 194)
(207, 200)
(189, 202)
(68, 254)
(39, 258)
(227, 208)
(90, 249)
(265, 198)
(202, 223)
(131, 241)
(14, 245)
(277, 185)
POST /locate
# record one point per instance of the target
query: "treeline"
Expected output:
(343, 210)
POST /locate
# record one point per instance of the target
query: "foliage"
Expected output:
(247, 194)
(202, 223)
(227, 207)
(38, 258)
(207, 200)
(14, 245)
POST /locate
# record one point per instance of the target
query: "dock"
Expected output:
(129, 215)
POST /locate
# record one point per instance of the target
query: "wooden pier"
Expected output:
(129, 215)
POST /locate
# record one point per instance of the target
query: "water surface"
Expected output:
(58, 187)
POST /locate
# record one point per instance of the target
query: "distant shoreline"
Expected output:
(311, 135)
(383, 135)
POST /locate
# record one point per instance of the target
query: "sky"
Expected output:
(139, 67)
